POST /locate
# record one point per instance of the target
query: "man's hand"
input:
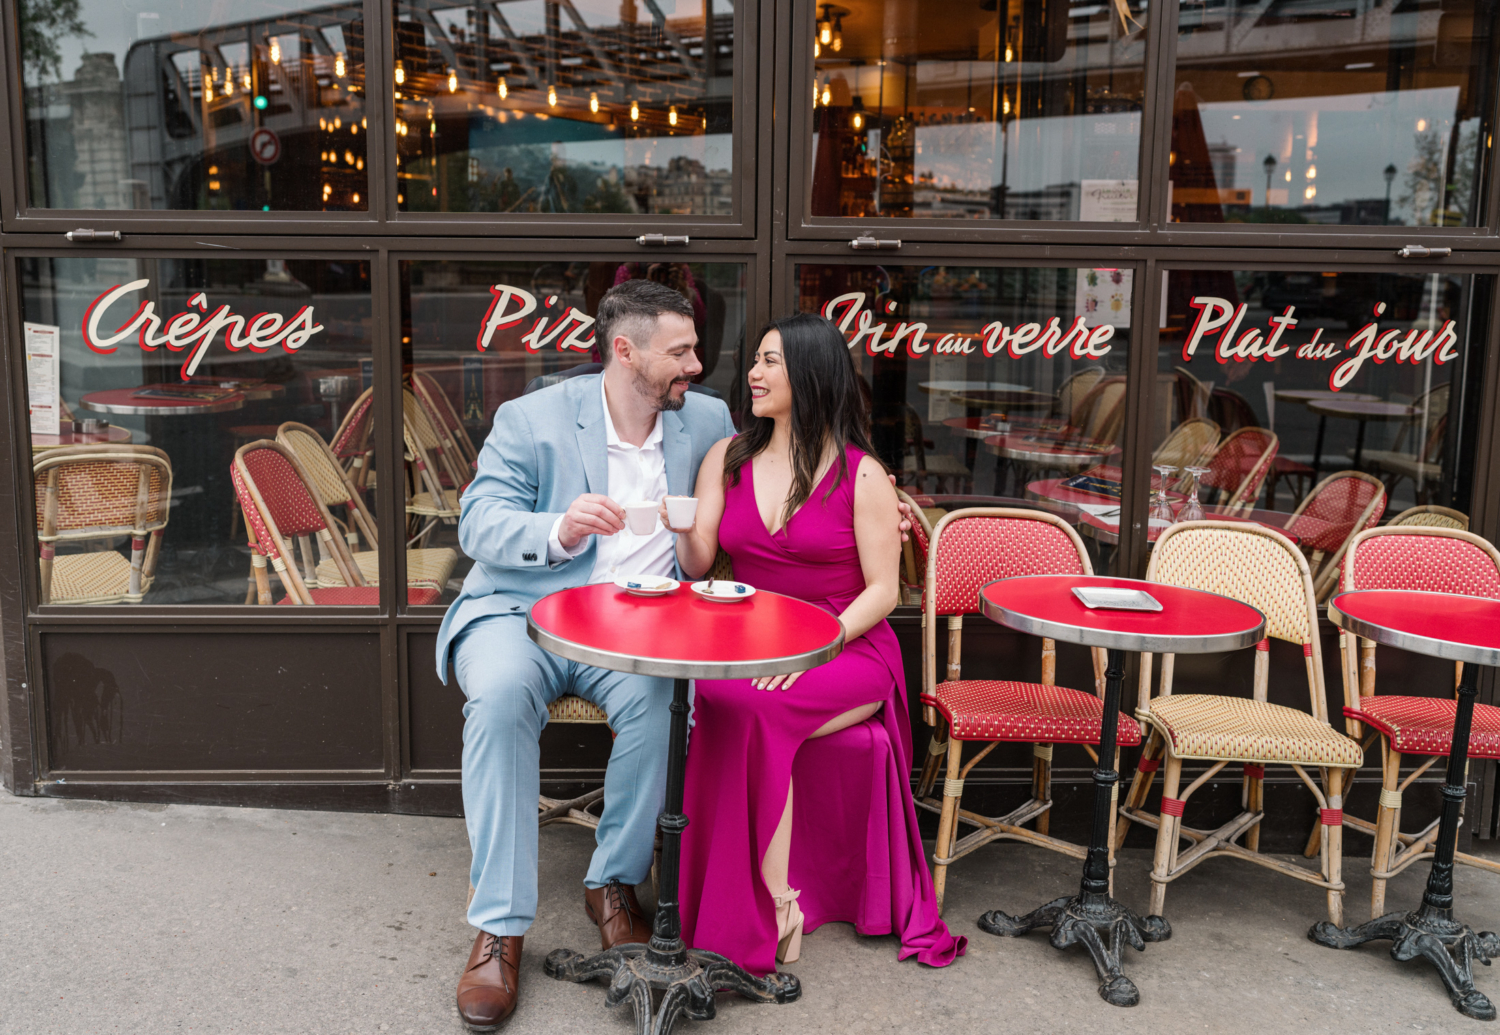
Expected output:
(907, 517)
(590, 514)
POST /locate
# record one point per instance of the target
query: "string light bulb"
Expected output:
(245, 81)
(827, 96)
(672, 115)
(817, 49)
(1010, 54)
(452, 80)
(340, 68)
(275, 51)
(502, 89)
(208, 90)
(400, 73)
(858, 121)
(635, 112)
(552, 95)
(594, 103)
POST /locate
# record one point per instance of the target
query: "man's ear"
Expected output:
(623, 348)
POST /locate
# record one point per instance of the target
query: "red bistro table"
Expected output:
(684, 637)
(1463, 629)
(1190, 622)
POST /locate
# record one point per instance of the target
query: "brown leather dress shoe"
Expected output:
(615, 909)
(490, 983)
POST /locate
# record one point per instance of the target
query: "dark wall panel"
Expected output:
(233, 700)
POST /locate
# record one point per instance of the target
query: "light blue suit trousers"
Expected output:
(509, 682)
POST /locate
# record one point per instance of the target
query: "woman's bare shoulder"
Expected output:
(871, 484)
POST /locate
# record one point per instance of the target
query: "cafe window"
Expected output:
(1333, 112)
(255, 106)
(1319, 402)
(200, 430)
(1016, 109)
(589, 107)
(475, 334)
(990, 386)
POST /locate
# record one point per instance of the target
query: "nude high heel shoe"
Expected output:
(788, 931)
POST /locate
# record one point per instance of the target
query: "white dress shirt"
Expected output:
(635, 473)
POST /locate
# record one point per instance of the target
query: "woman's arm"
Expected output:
(698, 546)
(879, 542)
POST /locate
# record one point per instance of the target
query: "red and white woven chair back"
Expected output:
(1335, 507)
(1240, 465)
(261, 538)
(973, 547)
(102, 491)
(1434, 560)
(349, 439)
(1258, 566)
(287, 497)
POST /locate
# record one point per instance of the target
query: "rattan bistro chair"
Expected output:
(1190, 443)
(354, 444)
(95, 493)
(1430, 516)
(443, 415)
(1338, 507)
(1436, 560)
(1238, 468)
(970, 548)
(280, 509)
(335, 488)
(1260, 567)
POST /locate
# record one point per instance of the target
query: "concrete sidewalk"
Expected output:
(152, 918)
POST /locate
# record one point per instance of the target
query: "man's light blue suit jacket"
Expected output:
(545, 450)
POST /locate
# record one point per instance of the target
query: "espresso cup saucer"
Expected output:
(646, 585)
(724, 591)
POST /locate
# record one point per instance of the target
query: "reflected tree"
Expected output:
(43, 24)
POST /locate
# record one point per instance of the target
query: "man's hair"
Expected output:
(631, 309)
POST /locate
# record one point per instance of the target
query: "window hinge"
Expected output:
(83, 236)
(1418, 251)
(867, 242)
(660, 240)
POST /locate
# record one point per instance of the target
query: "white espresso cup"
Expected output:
(640, 516)
(681, 510)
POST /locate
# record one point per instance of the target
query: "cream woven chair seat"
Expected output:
(1210, 726)
(424, 503)
(93, 578)
(423, 568)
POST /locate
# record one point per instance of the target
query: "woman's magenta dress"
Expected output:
(856, 854)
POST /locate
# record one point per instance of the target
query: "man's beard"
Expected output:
(661, 397)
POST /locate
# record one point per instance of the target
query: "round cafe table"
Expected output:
(682, 636)
(1190, 622)
(1306, 396)
(111, 434)
(1457, 628)
(124, 400)
(1362, 410)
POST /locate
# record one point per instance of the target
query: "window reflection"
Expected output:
(475, 334)
(151, 380)
(586, 107)
(192, 106)
(1354, 112)
(1332, 400)
(1021, 109)
(990, 385)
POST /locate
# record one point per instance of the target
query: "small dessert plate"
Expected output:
(1108, 598)
(647, 585)
(721, 591)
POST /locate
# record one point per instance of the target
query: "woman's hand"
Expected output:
(775, 682)
(667, 524)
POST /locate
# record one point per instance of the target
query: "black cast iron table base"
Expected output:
(1092, 918)
(1430, 931)
(687, 978)
(1450, 946)
(687, 982)
(1097, 922)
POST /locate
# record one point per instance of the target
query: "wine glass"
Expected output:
(1161, 507)
(1192, 510)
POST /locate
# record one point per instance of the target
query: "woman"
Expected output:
(803, 508)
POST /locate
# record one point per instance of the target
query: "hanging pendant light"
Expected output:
(400, 73)
(635, 112)
(275, 51)
(502, 89)
(594, 103)
(552, 95)
(340, 68)
(452, 80)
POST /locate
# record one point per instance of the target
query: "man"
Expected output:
(543, 514)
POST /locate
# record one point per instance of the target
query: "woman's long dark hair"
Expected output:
(828, 408)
